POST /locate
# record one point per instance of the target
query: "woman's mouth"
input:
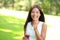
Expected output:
(34, 16)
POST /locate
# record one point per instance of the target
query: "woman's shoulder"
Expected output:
(44, 25)
(28, 24)
(41, 22)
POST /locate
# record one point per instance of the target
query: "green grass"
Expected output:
(11, 28)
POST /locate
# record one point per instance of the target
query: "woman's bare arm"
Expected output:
(43, 34)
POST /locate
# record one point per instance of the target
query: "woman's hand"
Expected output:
(25, 38)
(35, 24)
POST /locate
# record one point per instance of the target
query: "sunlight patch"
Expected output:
(18, 37)
(5, 30)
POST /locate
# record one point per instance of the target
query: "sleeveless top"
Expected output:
(30, 30)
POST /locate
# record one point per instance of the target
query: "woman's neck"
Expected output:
(37, 21)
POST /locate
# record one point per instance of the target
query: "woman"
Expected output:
(35, 27)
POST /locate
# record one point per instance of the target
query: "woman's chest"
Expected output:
(31, 32)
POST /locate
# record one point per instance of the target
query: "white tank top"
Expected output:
(30, 30)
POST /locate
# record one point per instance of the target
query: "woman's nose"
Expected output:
(35, 13)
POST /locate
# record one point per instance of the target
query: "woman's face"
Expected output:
(35, 14)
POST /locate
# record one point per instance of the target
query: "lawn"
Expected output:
(11, 28)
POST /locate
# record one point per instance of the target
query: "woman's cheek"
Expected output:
(39, 16)
(31, 15)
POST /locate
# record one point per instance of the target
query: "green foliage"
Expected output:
(48, 6)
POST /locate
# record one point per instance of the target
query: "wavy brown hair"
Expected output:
(41, 18)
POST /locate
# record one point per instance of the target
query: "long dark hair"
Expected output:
(29, 16)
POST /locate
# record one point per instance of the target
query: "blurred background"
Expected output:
(13, 14)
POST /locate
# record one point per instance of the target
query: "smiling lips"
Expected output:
(34, 17)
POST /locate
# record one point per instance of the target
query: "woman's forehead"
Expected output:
(35, 9)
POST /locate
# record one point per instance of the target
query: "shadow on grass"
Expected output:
(11, 28)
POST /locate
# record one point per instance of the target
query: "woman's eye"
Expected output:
(37, 12)
(33, 12)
